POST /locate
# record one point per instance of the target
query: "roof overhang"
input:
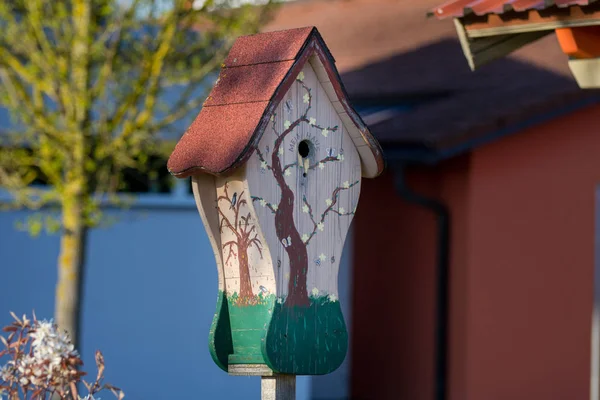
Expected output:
(490, 36)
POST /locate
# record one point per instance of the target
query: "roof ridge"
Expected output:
(258, 63)
(236, 103)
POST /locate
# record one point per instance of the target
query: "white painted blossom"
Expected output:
(325, 132)
(332, 297)
(305, 209)
(263, 165)
(274, 207)
(320, 226)
(280, 300)
(306, 98)
(340, 157)
(342, 210)
(321, 165)
(272, 117)
(287, 172)
(312, 121)
(300, 76)
(322, 257)
(280, 152)
(287, 124)
(328, 202)
(315, 292)
(346, 185)
(263, 202)
(305, 237)
(6, 372)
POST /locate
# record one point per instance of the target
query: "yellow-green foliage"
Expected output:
(83, 79)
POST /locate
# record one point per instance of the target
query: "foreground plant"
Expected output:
(43, 364)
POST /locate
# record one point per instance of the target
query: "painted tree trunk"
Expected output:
(285, 228)
(70, 269)
(245, 282)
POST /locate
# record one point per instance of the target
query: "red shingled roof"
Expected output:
(256, 74)
(460, 8)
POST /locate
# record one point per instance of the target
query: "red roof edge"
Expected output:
(313, 45)
(462, 8)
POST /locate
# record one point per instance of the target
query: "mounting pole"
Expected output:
(278, 387)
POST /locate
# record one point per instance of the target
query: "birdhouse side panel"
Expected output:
(247, 266)
(220, 342)
(304, 180)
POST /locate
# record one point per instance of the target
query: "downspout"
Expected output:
(442, 266)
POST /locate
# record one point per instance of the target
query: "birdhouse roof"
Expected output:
(255, 76)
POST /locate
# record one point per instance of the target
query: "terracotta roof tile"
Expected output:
(248, 83)
(267, 47)
(216, 137)
(461, 8)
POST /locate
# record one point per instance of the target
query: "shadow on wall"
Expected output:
(449, 103)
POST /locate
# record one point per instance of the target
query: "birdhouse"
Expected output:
(276, 157)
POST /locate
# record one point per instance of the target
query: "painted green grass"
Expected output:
(249, 319)
(309, 340)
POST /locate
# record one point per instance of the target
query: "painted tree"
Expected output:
(245, 238)
(84, 83)
(296, 245)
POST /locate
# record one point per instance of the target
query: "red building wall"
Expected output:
(521, 277)
(530, 255)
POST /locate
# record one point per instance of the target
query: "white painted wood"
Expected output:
(586, 72)
(325, 247)
(259, 259)
(369, 164)
(205, 194)
(279, 387)
(338, 106)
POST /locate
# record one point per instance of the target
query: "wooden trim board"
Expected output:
(480, 51)
(586, 72)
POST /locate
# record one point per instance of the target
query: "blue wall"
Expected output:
(150, 292)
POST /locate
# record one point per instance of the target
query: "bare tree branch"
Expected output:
(323, 161)
(302, 118)
(256, 242)
(333, 199)
(231, 251)
(270, 206)
(264, 163)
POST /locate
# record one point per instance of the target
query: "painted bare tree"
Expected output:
(296, 245)
(245, 237)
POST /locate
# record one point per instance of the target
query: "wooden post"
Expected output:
(278, 387)
(273, 386)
